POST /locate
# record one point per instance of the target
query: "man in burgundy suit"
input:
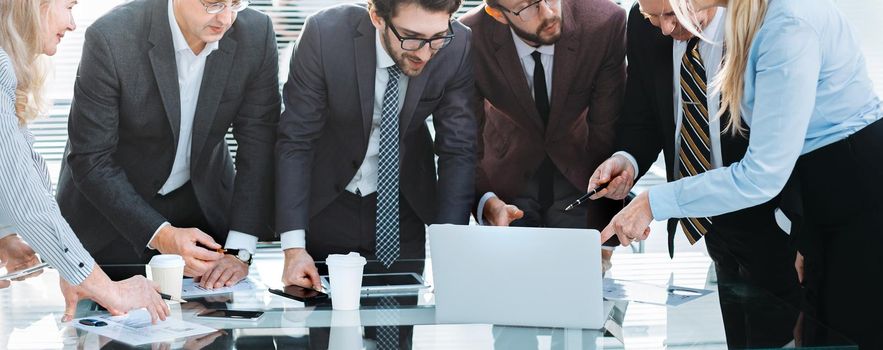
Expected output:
(551, 80)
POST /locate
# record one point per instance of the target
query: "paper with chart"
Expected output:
(135, 328)
(650, 293)
(192, 289)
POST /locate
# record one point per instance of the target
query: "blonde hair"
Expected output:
(744, 18)
(21, 36)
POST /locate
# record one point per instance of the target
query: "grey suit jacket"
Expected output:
(125, 119)
(329, 98)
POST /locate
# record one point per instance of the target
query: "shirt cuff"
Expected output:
(631, 159)
(480, 213)
(156, 233)
(241, 240)
(294, 239)
(664, 202)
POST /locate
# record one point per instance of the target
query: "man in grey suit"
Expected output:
(147, 169)
(355, 158)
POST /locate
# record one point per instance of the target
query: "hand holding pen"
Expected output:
(617, 174)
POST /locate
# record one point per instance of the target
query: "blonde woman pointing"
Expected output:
(30, 30)
(795, 73)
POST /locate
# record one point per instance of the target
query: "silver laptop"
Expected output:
(540, 277)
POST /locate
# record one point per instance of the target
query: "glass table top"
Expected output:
(31, 312)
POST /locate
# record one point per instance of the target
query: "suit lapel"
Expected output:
(214, 80)
(511, 68)
(366, 66)
(412, 97)
(563, 70)
(165, 70)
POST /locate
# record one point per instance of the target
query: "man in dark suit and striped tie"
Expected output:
(670, 106)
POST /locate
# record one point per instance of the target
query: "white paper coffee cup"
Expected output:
(167, 270)
(345, 272)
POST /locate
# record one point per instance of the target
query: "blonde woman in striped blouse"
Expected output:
(31, 30)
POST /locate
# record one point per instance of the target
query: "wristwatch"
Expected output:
(241, 254)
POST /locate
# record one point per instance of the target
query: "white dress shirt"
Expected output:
(712, 54)
(191, 67)
(524, 51)
(365, 181)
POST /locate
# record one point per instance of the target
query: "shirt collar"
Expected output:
(383, 58)
(178, 40)
(715, 26)
(524, 50)
(713, 31)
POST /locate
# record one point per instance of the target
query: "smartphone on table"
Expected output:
(231, 315)
(300, 293)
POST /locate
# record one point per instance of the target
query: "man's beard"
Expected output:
(537, 37)
(400, 59)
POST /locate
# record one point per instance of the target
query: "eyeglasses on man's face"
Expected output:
(214, 8)
(529, 12)
(414, 44)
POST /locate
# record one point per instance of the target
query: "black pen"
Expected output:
(169, 297)
(579, 201)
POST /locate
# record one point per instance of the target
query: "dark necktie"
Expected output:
(540, 91)
(388, 331)
(694, 156)
(387, 226)
(541, 99)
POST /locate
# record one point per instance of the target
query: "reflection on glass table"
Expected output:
(31, 310)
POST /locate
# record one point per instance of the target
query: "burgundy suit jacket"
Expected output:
(588, 86)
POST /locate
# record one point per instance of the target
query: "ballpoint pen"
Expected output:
(579, 201)
(169, 297)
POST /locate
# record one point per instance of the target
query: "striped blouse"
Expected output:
(27, 206)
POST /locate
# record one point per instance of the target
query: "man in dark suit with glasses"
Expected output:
(356, 168)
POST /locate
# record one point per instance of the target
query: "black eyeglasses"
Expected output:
(530, 11)
(414, 44)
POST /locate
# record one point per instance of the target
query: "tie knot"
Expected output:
(693, 43)
(394, 71)
(536, 56)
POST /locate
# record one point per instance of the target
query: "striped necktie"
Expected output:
(695, 145)
(387, 226)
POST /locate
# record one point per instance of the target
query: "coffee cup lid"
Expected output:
(351, 259)
(166, 260)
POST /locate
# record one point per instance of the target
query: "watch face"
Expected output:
(244, 255)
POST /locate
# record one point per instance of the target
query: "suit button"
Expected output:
(355, 165)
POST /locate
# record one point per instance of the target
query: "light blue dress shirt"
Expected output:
(806, 86)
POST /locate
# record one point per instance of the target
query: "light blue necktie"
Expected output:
(388, 173)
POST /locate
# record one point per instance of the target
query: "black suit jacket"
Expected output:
(125, 119)
(648, 122)
(329, 100)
